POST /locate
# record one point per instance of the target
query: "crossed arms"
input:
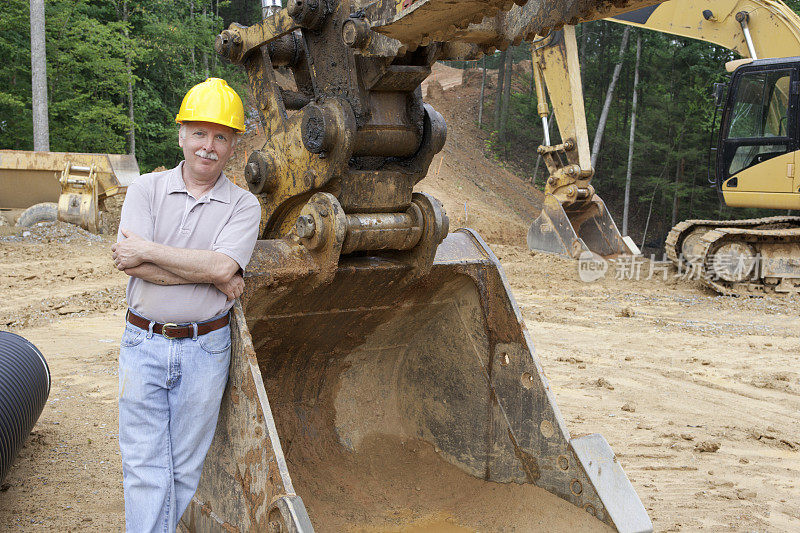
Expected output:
(166, 265)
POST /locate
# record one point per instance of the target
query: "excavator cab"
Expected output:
(381, 374)
(760, 128)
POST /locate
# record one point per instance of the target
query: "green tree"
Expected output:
(93, 52)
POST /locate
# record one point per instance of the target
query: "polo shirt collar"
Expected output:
(221, 191)
(175, 181)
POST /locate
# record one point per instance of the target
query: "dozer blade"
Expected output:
(381, 402)
(576, 229)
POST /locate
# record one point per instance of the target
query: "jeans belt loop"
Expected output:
(194, 327)
(150, 330)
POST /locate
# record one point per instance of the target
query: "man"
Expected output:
(185, 237)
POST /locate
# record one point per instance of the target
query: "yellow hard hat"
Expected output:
(212, 101)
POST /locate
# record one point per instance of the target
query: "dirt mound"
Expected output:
(477, 191)
(404, 485)
(47, 232)
(446, 77)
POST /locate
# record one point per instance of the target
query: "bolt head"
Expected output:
(349, 33)
(305, 227)
(317, 129)
(251, 173)
(222, 45)
(355, 33)
(294, 7)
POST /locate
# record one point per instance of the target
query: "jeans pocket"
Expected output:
(132, 336)
(217, 341)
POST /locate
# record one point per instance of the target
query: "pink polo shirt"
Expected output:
(160, 209)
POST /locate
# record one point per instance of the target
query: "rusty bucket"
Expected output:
(370, 403)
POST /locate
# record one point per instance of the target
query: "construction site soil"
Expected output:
(698, 394)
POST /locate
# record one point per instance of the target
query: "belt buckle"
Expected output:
(164, 330)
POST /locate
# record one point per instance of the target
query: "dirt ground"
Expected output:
(697, 394)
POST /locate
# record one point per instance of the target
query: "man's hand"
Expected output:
(130, 252)
(233, 288)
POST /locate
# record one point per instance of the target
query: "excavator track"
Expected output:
(675, 239)
(752, 257)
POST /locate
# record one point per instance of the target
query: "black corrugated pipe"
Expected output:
(24, 387)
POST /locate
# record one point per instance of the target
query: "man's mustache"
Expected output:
(208, 155)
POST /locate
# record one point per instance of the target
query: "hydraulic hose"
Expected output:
(24, 387)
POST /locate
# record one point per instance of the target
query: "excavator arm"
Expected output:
(574, 220)
(381, 373)
(751, 28)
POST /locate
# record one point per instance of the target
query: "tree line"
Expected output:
(117, 71)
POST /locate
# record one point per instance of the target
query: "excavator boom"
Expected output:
(770, 26)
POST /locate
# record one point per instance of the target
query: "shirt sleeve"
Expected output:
(136, 215)
(238, 238)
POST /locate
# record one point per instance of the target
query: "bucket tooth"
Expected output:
(386, 395)
(575, 229)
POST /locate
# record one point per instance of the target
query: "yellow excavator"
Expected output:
(758, 145)
(381, 374)
(756, 153)
(71, 187)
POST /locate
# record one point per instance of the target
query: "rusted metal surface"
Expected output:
(245, 468)
(362, 133)
(380, 231)
(539, 18)
(364, 327)
(424, 21)
(493, 24)
(444, 358)
(29, 178)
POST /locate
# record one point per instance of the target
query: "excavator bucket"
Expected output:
(379, 401)
(572, 230)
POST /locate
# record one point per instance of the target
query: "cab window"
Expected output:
(762, 105)
(759, 121)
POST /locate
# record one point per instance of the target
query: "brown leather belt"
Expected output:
(178, 331)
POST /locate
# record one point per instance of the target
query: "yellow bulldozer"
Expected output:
(381, 374)
(72, 187)
(756, 153)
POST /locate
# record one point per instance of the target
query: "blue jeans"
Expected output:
(169, 396)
